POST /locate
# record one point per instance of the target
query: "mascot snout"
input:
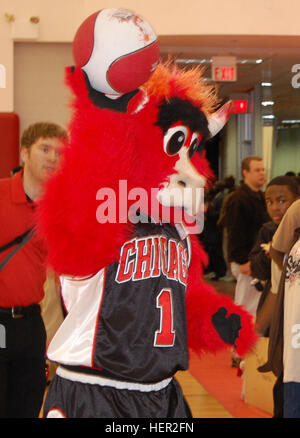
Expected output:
(185, 187)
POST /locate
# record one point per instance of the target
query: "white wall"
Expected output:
(59, 20)
(286, 152)
(267, 142)
(40, 92)
(229, 153)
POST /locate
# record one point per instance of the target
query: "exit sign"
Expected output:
(239, 106)
(224, 69)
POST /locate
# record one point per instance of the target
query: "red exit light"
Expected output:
(224, 74)
(239, 106)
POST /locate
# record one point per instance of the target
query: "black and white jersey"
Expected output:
(128, 321)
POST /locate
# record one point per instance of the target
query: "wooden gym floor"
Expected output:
(201, 403)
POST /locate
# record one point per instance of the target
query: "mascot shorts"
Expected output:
(72, 398)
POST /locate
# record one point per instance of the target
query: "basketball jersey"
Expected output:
(291, 308)
(128, 321)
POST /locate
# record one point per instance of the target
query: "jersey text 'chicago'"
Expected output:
(127, 322)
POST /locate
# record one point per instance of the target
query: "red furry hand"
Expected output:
(227, 327)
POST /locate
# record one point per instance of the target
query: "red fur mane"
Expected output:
(105, 147)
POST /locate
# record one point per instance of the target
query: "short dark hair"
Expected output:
(41, 130)
(288, 181)
(247, 160)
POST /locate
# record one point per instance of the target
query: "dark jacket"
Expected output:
(260, 263)
(246, 213)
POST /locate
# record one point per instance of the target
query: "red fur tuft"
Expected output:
(105, 147)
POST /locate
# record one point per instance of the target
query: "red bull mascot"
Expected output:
(117, 219)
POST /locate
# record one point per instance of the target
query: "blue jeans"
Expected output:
(292, 400)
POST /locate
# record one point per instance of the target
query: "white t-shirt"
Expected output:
(291, 331)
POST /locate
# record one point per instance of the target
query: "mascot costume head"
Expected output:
(131, 275)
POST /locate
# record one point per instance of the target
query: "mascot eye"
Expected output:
(174, 139)
(195, 142)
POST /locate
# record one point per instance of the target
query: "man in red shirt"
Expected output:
(23, 338)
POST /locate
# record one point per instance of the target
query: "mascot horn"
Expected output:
(131, 272)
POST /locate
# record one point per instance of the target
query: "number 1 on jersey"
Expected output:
(165, 336)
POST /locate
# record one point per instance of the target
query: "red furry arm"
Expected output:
(76, 242)
(67, 215)
(207, 309)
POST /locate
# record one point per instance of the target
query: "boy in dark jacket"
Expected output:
(280, 193)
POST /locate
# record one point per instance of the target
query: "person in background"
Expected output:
(230, 186)
(246, 214)
(282, 311)
(283, 237)
(280, 193)
(211, 236)
(22, 350)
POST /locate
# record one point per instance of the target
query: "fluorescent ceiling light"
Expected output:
(249, 61)
(267, 102)
(194, 61)
(270, 116)
(266, 84)
(209, 61)
(290, 121)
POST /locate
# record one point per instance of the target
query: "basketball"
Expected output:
(117, 49)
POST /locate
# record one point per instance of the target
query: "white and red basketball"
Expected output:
(117, 49)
